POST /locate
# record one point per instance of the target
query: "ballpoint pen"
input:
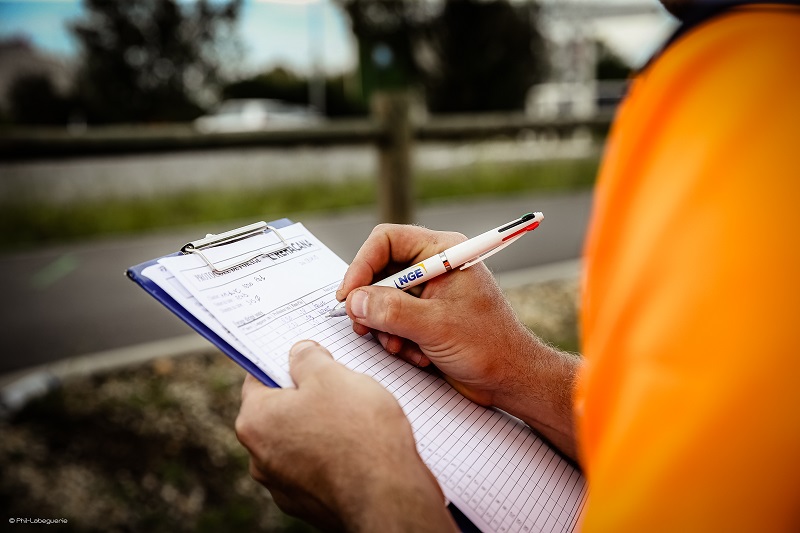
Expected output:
(462, 255)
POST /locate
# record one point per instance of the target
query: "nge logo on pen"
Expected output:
(405, 279)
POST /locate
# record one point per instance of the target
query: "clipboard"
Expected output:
(197, 247)
(135, 273)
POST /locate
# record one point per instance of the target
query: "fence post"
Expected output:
(392, 111)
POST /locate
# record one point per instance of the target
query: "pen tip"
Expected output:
(337, 312)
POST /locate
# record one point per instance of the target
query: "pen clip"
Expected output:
(490, 253)
(506, 241)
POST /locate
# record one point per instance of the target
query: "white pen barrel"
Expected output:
(485, 242)
(415, 274)
(472, 248)
(465, 253)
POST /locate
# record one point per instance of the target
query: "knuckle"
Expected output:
(444, 239)
(320, 374)
(456, 237)
(382, 229)
(394, 344)
(256, 473)
(286, 504)
(392, 309)
(243, 429)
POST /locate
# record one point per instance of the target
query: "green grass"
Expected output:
(29, 224)
(507, 179)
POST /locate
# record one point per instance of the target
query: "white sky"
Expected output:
(635, 38)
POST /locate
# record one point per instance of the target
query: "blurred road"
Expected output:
(99, 178)
(69, 300)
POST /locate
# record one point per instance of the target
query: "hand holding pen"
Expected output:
(462, 255)
(461, 323)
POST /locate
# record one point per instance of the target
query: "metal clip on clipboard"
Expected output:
(210, 240)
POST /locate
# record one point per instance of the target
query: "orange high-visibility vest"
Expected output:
(688, 408)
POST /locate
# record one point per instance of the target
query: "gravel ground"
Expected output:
(152, 448)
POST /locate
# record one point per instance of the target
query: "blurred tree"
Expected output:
(610, 66)
(386, 32)
(36, 85)
(151, 60)
(279, 83)
(486, 56)
(283, 84)
(468, 55)
(35, 101)
(340, 101)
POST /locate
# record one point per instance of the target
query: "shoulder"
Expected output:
(724, 90)
(748, 48)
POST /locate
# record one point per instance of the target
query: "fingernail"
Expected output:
(358, 304)
(299, 347)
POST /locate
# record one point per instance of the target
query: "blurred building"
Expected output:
(573, 32)
(20, 59)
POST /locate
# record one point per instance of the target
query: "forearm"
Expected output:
(539, 388)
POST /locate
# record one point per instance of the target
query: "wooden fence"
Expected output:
(391, 129)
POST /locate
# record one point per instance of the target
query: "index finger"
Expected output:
(252, 386)
(393, 243)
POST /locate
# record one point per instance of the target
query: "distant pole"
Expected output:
(395, 185)
(316, 38)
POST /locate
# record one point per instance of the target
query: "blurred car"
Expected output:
(256, 114)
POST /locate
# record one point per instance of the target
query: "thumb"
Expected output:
(393, 311)
(307, 358)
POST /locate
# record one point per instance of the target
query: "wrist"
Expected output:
(398, 497)
(538, 387)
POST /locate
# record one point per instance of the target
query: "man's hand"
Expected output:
(462, 323)
(338, 450)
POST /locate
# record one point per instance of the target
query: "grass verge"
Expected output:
(29, 224)
(149, 448)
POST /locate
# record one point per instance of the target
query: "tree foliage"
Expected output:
(35, 101)
(279, 83)
(487, 56)
(467, 55)
(391, 29)
(149, 60)
(283, 84)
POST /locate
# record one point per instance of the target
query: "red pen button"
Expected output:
(530, 227)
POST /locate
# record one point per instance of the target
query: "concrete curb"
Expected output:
(539, 274)
(17, 388)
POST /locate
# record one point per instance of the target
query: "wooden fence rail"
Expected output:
(390, 129)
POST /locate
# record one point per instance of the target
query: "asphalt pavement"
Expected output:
(63, 302)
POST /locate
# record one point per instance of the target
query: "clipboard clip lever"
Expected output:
(211, 240)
